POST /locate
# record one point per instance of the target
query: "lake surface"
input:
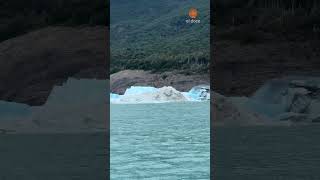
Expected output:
(267, 153)
(54, 156)
(160, 141)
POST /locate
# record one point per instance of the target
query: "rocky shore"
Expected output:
(122, 80)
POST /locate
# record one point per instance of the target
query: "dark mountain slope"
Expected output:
(153, 35)
(18, 17)
(33, 63)
(255, 41)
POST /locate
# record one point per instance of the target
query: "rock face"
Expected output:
(122, 80)
(33, 63)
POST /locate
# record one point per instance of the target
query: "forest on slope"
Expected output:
(153, 35)
(18, 17)
(258, 40)
(254, 21)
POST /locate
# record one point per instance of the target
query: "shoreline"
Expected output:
(122, 80)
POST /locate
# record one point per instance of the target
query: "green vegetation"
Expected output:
(18, 16)
(153, 35)
(254, 21)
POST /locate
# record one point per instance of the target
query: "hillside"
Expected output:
(154, 36)
(43, 42)
(32, 64)
(258, 40)
(18, 17)
(122, 80)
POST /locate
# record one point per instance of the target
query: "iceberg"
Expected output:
(199, 93)
(134, 90)
(74, 100)
(9, 110)
(147, 94)
(288, 99)
(114, 96)
(78, 105)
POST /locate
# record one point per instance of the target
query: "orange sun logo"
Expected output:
(193, 13)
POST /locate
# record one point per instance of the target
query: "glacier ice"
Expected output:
(75, 106)
(200, 93)
(114, 96)
(78, 99)
(75, 99)
(134, 90)
(287, 99)
(147, 94)
(11, 109)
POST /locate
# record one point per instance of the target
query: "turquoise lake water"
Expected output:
(53, 156)
(160, 141)
(267, 153)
